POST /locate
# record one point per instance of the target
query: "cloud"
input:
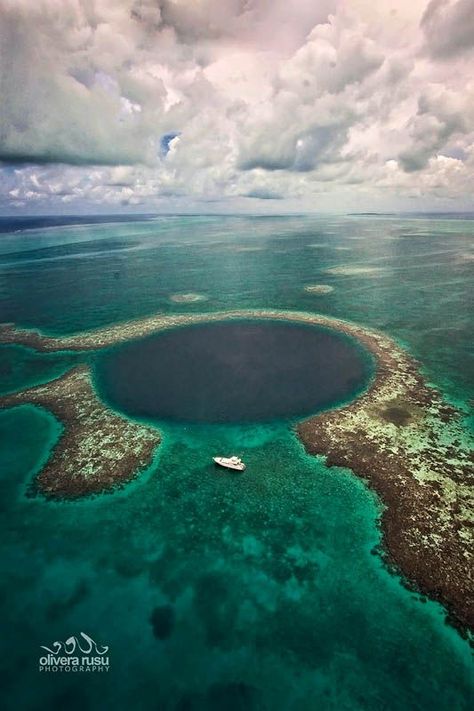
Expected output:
(263, 23)
(440, 116)
(90, 93)
(448, 27)
(158, 103)
(313, 104)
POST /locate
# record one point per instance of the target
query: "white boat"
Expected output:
(230, 463)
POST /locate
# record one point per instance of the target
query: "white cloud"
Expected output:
(441, 115)
(304, 104)
(449, 27)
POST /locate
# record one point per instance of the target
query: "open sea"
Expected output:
(212, 592)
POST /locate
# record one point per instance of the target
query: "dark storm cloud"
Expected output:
(263, 194)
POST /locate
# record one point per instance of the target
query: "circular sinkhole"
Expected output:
(234, 372)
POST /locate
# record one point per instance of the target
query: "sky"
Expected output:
(240, 106)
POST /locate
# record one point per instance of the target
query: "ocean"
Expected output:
(266, 591)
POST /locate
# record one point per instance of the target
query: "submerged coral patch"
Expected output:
(162, 621)
(190, 298)
(98, 450)
(319, 289)
(355, 271)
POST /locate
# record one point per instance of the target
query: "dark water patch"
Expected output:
(22, 367)
(72, 698)
(234, 371)
(17, 224)
(60, 608)
(162, 621)
(67, 250)
(233, 696)
(216, 607)
(127, 567)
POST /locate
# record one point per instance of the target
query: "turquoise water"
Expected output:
(211, 591)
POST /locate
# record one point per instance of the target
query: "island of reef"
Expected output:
(400, 436)
(98, 449)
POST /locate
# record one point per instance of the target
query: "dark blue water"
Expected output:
(35, 222)
(246, 371)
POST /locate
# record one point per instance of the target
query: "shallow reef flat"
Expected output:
(412, 448)
(97, 451)
(188, 298)
(399, 435)
(319, 289)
